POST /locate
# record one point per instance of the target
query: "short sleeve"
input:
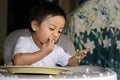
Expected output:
(25, 44)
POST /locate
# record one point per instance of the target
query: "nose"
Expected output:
(56, 34)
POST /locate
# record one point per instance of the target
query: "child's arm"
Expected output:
(30, 58)
(75, 60)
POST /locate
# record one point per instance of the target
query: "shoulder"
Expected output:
(58, 47)
(25, 44)
(24, 40)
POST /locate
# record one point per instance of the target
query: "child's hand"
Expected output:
(49, 46)
(75, 60)
(81, 54)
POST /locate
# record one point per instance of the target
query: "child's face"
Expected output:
(50, 28)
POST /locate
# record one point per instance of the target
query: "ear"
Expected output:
(34, 25)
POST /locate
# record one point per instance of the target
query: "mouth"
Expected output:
(51, 39)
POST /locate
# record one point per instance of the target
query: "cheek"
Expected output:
(43, 36)
(57, 38)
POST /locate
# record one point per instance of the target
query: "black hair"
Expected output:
(41, 11)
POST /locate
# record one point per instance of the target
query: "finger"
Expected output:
(83, 55)
(51, 41)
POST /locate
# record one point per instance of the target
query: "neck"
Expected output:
(36, 41)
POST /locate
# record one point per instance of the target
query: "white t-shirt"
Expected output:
(57, 56)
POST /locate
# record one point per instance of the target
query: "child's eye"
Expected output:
(59, 31)
(51, 29)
